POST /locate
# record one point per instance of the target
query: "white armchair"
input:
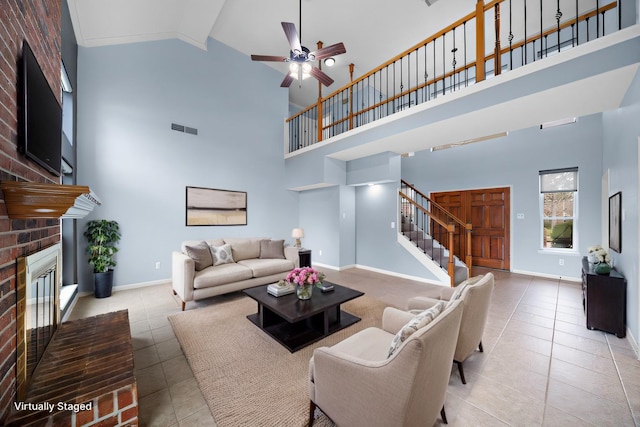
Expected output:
(356, 382)
(476, 298)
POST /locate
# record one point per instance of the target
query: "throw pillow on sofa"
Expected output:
(420, 321)
(200, 254)
(222, 255)
(273, 249)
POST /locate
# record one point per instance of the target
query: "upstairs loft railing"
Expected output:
(496, 37)
(432, 220)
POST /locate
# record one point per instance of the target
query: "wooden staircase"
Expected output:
(442, 237)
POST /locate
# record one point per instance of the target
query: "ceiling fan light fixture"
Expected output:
(297, 69)
(329, 62)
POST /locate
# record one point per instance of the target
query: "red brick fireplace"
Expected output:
(38, 22)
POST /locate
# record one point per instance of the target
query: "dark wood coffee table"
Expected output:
(295, 323)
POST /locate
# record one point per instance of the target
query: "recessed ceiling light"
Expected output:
(329, 62)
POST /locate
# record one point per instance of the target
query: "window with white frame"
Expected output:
(558, 205)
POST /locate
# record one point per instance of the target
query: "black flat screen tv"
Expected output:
(41, 116)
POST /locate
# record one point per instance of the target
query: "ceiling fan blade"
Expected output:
(292, 36)
(288, 79)
(268, 58)
(321, 76)
(326, 52)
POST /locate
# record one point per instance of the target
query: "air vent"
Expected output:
(183, 128)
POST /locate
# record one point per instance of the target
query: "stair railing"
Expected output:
(422, 220)
(443, 225)
(498, 36)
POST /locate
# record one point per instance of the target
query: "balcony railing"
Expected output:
(496, 37)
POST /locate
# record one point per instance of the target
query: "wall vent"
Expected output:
(183, 128)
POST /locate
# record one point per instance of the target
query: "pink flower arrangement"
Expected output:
(305, 276)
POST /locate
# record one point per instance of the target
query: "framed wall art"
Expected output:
(209, 206)
(615, 224)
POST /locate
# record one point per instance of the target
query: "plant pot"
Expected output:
(103, 284)
(602, 268)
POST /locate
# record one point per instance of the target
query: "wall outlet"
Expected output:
(520, 216)
(320, 252)
(561, 261)
(158, 265)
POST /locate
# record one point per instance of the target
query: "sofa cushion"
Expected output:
(215, 242)
(243, 248)
(272, 249)
(199, 252)
(420, 321)
(267, 267)
(221, 254)
(221, 275)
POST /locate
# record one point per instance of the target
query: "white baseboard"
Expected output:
(547, 276)
(141, 285)
(380, 271)
(333, 267)
(633, 343)
(131, 286)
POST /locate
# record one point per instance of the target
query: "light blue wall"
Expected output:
(514, 161)
(621, 132)
(320, 219)
(376, 241)
(128, 96)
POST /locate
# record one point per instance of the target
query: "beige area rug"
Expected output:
(246, 377)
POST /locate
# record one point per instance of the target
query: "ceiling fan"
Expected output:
(300, 58)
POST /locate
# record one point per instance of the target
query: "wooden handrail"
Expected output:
(453, 217)
(550, 31)
(481, 59)
(449, 226)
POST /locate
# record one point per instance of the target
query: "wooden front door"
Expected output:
(488, 210)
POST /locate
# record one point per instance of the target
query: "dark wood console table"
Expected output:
(604, 299)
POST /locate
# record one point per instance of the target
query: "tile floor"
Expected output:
(541, 366)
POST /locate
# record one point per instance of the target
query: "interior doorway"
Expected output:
(489, 212)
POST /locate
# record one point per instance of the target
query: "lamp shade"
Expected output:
(297, 233)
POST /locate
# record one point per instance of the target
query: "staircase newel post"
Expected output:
(497, 58)
(451, 268)
(320, 120)
(351, 68)
(468, 257)
(480, 41)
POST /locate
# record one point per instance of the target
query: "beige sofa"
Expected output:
(205, 268)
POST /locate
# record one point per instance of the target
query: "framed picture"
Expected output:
(209, 206)
(615, 224)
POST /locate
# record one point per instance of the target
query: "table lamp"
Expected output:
(297, 233)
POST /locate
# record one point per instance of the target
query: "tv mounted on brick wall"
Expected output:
(41, 116)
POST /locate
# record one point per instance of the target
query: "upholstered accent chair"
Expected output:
(475, 295)
(358, 383)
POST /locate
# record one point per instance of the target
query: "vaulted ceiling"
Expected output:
(373, 31)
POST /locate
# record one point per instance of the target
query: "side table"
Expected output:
(305, 257)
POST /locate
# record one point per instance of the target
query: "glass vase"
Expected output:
(304, 292)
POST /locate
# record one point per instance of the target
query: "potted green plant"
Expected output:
(102, 236)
